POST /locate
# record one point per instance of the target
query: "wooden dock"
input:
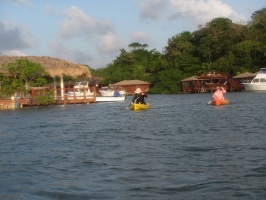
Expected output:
(7, 104)
(31, 100)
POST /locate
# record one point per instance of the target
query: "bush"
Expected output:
(45, 99)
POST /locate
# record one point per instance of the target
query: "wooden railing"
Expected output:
(31, 100)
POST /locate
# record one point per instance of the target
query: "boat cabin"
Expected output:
(260, 77)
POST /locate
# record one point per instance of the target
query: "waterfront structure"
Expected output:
(208, 82)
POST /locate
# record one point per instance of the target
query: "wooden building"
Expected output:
(208, 83)
(131, 85)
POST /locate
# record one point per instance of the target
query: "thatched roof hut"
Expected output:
(55, 67)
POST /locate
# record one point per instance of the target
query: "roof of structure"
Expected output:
(53, 66)
(131, 82)
(245, 75)
(192, 78)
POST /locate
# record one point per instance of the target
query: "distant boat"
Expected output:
(109, 91)
(258, 83)
(81, 90)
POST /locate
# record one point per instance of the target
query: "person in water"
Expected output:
(219, 93)
(139, 97)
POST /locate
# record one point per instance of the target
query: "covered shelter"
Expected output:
(245, 77)
(203, 82)
(131, 85)
(209, 81)
(54, 67)
(190, 84)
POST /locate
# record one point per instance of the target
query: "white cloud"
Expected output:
(26, 3)
(151, 9)
(14, 38)
(202, 11)
(50, 10)
(194, 11)
(62, 51)
(79, 24)
(88, 35)
(14, 52)
(93, 59)
(139, 36)
(110, 43)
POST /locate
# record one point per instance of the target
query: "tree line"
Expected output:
(220, 46)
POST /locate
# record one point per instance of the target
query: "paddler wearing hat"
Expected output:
(139, 97)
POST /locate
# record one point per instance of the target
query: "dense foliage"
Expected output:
(45, 99)
(19, 76)
(220, 45)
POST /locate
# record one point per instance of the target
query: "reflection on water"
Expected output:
(181, 148)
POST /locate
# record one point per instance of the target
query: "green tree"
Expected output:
(137, 45)
(248, 54)
(45, 99)
(220, 45)
(180, 53)
(167, 81)
(22, 74)
(259, 19)
(26, 71)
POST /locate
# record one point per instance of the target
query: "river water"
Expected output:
(181, 148)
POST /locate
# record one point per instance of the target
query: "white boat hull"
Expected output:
(81, 91)
(79, 95)
(110, 93)
(258, 83)
(110, 99)
(254, 87)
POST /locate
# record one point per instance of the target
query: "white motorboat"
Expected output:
(258, 83)
(81, 91)
(109, 91)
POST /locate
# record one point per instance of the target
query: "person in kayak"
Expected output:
(139, 97)
(219, 93)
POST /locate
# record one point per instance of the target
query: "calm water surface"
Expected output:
(181, 148)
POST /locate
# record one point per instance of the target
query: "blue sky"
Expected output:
(92, 32)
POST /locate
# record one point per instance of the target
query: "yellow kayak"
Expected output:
(137, 106)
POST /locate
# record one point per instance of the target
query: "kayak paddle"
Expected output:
(130, 103)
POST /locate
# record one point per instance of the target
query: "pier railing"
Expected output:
(59, 97)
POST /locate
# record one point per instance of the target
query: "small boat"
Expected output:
(109, 91)
(81, 91)
(258, 83)
(137, 106)
(217, 102)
